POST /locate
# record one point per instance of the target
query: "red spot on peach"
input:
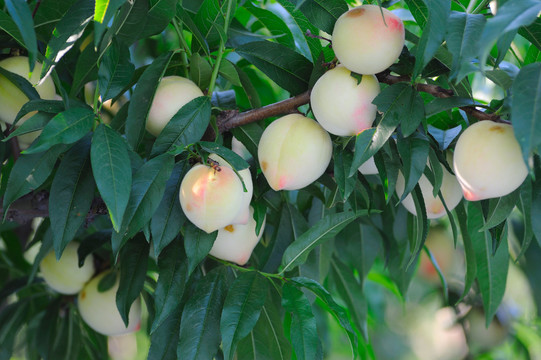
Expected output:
(468, 195)
(188, 207)
(355, 12)
(394, 24)
(282, 182)
(138, 327)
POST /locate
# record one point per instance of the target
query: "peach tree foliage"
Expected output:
(98, 177)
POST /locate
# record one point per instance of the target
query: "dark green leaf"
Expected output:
(442, 104)
(71, 195)
(92, 243)
(133, 269)
(112, 171)
(242, 308)
(35, 123)
(499, 209)
(168, 217)
(68, 30)
(161, 346)
(210, 20)
(363, 141)
(186, 127)
(200, 71)
(492, 266)
(159, 16)
(146, 194)
(525, 207)
(173, 269)
(414, 154)
(105, 10)
(29, 172)
(287, 68)
(229, 72)
(142, 97)
(325, 229)
(304, 336)
(463, 42)
(197, 244)
(469, 250)
(22, 17)
(276, 25)
(532, 33)
(65, 128)
(342, 165)
(129, 23)
(115, 71)
(249, 135)
(22, 83)
(323, 13)
(200, 324)
(86, 69)
(8, 25)
(525, 112)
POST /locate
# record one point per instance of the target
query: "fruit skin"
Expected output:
(364, 43)
(122, 347)
(369, 167)
(211, 199)
(99, 310)
(240, 149)
(172, 93)
(11, 98)
(342, 106)
(235, 243)
(450, 190)
(488, 161)
(244, 213)
(294, 151)
(65, 276)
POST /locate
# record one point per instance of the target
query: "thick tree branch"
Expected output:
(230, 119)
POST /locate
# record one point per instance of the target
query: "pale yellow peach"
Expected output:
(343, 106)
(293, 152)
(369, 167)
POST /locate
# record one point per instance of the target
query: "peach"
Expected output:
(365, 43)
(488, 161)
(244, 214)
(99, 310)
(235, 243)
(108, 109)
(172, 93)
(211, 197)
(294, 151)
(341, 105)
(122, 347)
(450, 190)
(240, 149)
(11, 98)
(369, 167)
(64, 275)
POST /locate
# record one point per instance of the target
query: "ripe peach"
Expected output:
(211, 198)
(294, 151)
(122, 347)
(366, 44)
(240, 149)
(440, 244)
(65, 276)
(11, 98)
(244, 213)
(99, 310)
(235, 243)
(450, 190)
(488, 161)
(172, 93)
(341, 105)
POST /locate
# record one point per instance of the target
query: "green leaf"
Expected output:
(147, 190)
(249, 135)
(30, 172)
(511, 15)
(463, 42)
(105, 10)
(161, 346)
(67, 31)
(525, 207)
(129, 23)
(210, 20)
(36, 122)
(499, 209)
(532, 33)
(351, 292)
(242, 308)
(159, 16)
(112, 171)
(8, 25)
(492, 266)
(325, 229)
(115, 71)
(86, 70)
(200, 71)
(363, 142)
(231, 157)
(433, 33)
(287, 68)
(342, 165)
(275, 24)
(133, 269)
(536, 208)
(142, 97)
(198, 38)
(419, 11)
(525, 113)
(304, 336)
(337, 311)
(22, 83)
(168, 218)
(229, 72)
(469, 251)
(200, 324)
(323, 13)
(47, 106)
(173, 269)
(197, 244)
(65, 128)
(71, 195)
(22, 17)
(442, 104)
(186, 127)
(267, 340)
(414, 153)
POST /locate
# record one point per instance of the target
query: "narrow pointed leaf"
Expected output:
(115, 71)
(197, 244)
(8, 25)
(112, 171)
(21, 15)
